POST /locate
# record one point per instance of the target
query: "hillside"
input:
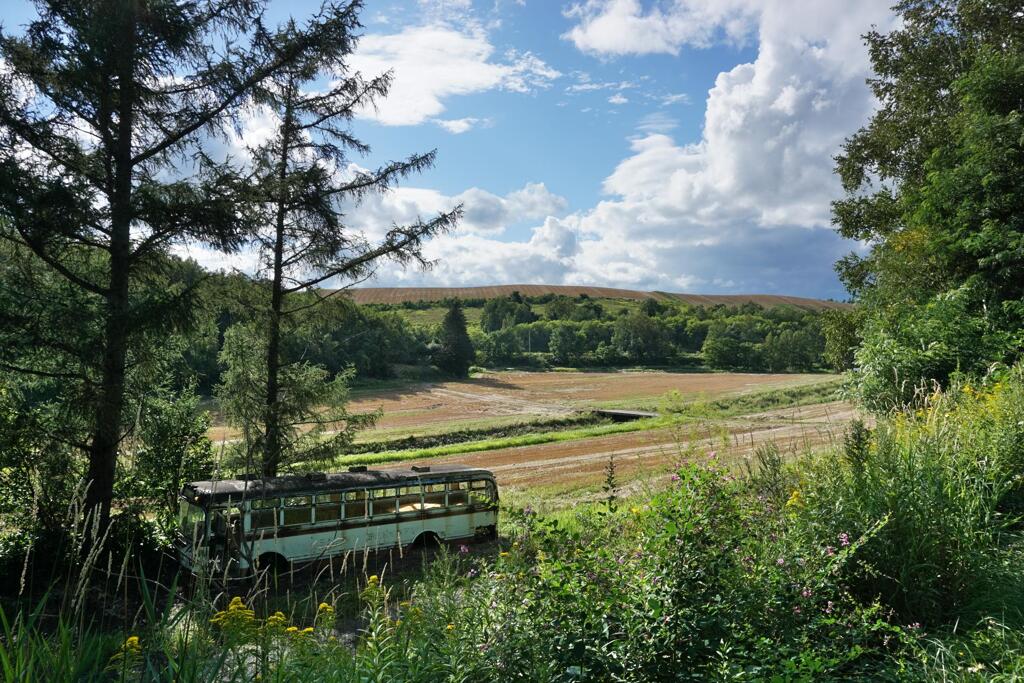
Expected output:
(395, 295)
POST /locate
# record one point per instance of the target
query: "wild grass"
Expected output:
(893, 556)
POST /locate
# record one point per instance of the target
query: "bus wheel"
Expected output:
(272, 563)
(428, 539)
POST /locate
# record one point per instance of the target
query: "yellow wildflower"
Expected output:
(795, 499)
(307, 630)
(451, 627)
(635, 510)
(503, 554)
(132, 644)
(373, 580)
(292, 629)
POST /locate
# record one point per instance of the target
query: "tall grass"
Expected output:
(948, 479)
(893, 557)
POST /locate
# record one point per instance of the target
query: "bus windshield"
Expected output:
(191, 521)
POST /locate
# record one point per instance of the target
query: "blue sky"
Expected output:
(681, 145)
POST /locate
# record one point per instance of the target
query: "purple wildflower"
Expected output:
(781, 562)
(463, 549)
(844, 539)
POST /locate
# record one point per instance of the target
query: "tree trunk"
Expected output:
(272, 445)
(106, 436)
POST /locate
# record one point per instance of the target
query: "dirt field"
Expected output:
(394, 295)
(650, 455)
(497, 398)
(547, 394)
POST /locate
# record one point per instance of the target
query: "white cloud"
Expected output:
(618, 98)
(457, 126)
(435, 62)
(675, 98)
(586, 85)
(484, 213)
(657, 122)
(615, 27)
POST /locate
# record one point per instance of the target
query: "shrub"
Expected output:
(946, 480)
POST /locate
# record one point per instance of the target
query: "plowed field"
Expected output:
(395, 295)
(546, 394)
(651, 454)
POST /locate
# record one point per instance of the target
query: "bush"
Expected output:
(945, 484)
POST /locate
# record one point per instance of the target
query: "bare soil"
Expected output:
(394, 295)
(535, 395)
(652, 454)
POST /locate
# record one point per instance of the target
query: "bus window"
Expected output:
(355, 504)
(433, 496)
(410, 498)
(264, 513)
(457, 493)
(192, 521)
(297, 510)
(384, 502)
(479, 493)
(328, 507)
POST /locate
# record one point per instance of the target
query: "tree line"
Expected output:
(579, 332)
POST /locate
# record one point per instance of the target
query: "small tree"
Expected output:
(305, 191)
(567, 344)
(455, 350)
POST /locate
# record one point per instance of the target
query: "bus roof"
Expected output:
(219, 490)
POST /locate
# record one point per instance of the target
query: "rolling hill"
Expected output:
(397, 295)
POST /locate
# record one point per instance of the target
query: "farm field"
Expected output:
(397, 295)
(498, 398)
(569, 467)
(563, 473)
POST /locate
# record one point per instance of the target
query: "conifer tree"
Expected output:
(104, 106)
(455, 353)
(306, 187)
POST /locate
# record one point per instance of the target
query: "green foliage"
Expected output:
(315, 423)
(567, 344)
(841, 330)
(455, 351)
(639, 338)
(170, 449)
(906, 348)
(946, 480)
(934, 185)
(506, 311)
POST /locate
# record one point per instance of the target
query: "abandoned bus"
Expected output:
(236, 526)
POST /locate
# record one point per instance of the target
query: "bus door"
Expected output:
(226, 537)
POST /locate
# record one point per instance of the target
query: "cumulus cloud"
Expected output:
(458, 126)
(616, 27)
(745, 206)
(618, 98)
(484, 213)
(438, 61)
